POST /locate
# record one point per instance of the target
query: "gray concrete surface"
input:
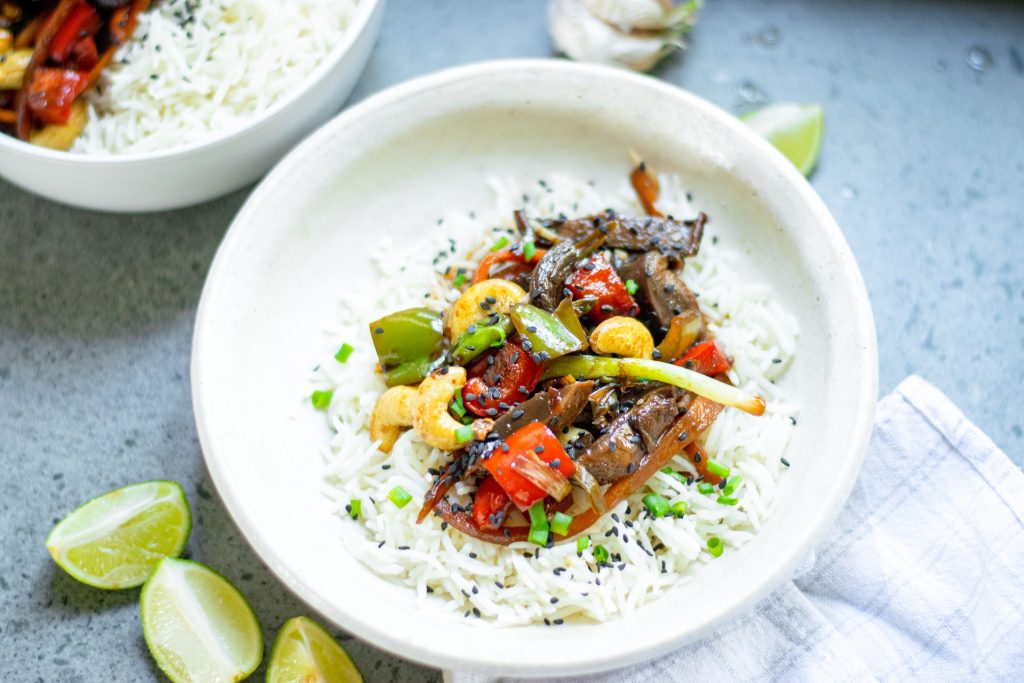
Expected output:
(923, 166)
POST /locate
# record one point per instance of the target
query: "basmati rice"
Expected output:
(197, 67)
(522, 583)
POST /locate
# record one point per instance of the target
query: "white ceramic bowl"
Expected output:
(210, 167)
(392, 164)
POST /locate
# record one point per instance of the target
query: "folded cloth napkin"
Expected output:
(921, 578)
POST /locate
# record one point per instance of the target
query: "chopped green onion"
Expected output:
(726, 500)
(715, 468)
(321, 399)
(355, 506)
(344, 352)
(538, 524)
(715, 546)
(632, 287)
(582, 543)
(460, 279)
(457, 406)
(464, 433)
(601, 553)
(675, 475)
(730, 487)
(678, 509)
(529, 250)
(656, 504)
(560, 523)
(583, 366)
(502, 241)
(705, 487)
(467, 419)
(399, 496)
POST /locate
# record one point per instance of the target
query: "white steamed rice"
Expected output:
(196, 67)
(518, 584)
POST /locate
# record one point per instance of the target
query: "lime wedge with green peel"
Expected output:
(116, 540)
(794, 129)
(305, 653)
(197, 625)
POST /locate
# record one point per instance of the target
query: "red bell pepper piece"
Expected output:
(535, 441)
(598, 279)
(707, 358)
(490, 505)
(52, 91)
(520, 264)
(82, 22)
(493, 384)
(84, 56)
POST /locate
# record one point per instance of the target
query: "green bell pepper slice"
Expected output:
(480, 337)
(546, 333)
(410, 344)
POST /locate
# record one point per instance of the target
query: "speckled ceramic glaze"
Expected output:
(211, 167)
(394, 163)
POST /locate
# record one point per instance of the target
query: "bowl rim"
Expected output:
(360, 22)
(833, 498)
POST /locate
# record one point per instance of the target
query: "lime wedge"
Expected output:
(197, 625)
(305, 653)
(794, 129)
(117, 539)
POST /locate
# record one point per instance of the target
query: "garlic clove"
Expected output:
(582, 36)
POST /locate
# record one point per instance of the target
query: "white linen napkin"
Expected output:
(922, 576)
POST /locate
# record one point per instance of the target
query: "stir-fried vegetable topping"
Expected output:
(545, 335)
(530, 465)
(410, 344)
(593, 367)
(545, 424)
(597, 279)
(480, 337)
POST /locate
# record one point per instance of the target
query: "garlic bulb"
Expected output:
(636, 34)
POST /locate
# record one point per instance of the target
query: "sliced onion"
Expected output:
(543, 476)
(586, 481)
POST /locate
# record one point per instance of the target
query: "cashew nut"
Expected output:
(497, 295)
(622, 336)
(391, 413)
(430, 408)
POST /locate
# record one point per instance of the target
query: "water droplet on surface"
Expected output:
(750, 94)
(978, 58)
(848, 191)
(769, 36)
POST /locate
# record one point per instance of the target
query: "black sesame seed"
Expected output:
(784, 461)
(378, 330)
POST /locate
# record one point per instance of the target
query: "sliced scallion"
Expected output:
(538, 524)
(464, 433)
(399, 496)
(678, 509)
(501, 242)
(632, 287)
(675, 475)
(656, 504)
(460, 279)
(355, 507)
(726, 500)
(344, 352)
(457, 405)
(705, 487)
(529, 250)
(560, 523)
(582, 543)
(601, 553)
(730, 487)
(719, 469)
(715, 546)
(321, 399)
